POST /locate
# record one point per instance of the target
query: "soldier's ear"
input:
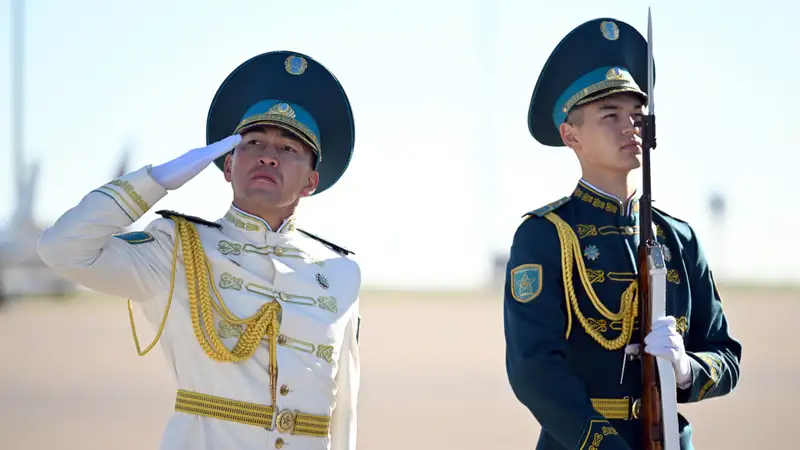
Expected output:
(311, 185)
(569, 135)
(227, 167)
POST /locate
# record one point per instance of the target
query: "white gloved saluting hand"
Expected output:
(173, 174)
(665, 342)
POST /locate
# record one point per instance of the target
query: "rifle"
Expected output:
(658, 409)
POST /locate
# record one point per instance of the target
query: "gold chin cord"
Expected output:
(264, 323)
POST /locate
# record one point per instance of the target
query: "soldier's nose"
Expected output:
(264, 161)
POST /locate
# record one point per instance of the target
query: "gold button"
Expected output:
(279, 443)
(281, 339)
(284, 390)
(278, 251)
(637, 406)
(629, 231)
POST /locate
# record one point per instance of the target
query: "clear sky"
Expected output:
(444, 166)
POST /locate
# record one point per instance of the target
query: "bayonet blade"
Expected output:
(650, 66)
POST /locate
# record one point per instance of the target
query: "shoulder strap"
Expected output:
(333, 246)
(168, 213)
(552, 206)
(666, 214)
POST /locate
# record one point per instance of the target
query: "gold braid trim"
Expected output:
(571, 250)
(198, 273)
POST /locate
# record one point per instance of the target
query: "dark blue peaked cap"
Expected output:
(292, 91)
(599, 58)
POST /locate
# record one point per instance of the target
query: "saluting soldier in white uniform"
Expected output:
(258, 319)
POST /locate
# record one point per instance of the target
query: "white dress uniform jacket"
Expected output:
(302, 394)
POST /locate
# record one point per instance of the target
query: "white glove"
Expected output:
(173, 174)
(665, 342)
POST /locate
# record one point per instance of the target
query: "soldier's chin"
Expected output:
(634, 162)
(261, 191)
(628, 161)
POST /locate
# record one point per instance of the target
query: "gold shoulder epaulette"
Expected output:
(167, 214)
(552, 206)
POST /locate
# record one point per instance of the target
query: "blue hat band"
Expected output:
(583, 89)
(288, 116)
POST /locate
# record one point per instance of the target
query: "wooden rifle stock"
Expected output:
(650, 412)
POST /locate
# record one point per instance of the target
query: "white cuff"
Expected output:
(135, 192)
(683, 372)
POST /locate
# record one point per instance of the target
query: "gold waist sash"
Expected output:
(286, 421)
(617, 408)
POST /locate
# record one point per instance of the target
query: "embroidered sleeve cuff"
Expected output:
(706, 370)
(601, 434)
(135, 192)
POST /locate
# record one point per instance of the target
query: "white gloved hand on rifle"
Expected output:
(665, 342)
(173, 174)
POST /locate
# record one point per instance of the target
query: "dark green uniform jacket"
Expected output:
(565, 346)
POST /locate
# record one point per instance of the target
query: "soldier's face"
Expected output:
(606, 136)
(271, 167)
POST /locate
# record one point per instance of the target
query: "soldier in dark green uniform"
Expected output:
(571, 286)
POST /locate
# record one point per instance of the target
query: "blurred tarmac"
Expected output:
(433, 376)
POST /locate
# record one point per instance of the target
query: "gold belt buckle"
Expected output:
(285, 421)
(635, 408)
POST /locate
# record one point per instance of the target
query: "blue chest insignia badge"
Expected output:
(591, 252)
(526, 282)
(136, 237)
